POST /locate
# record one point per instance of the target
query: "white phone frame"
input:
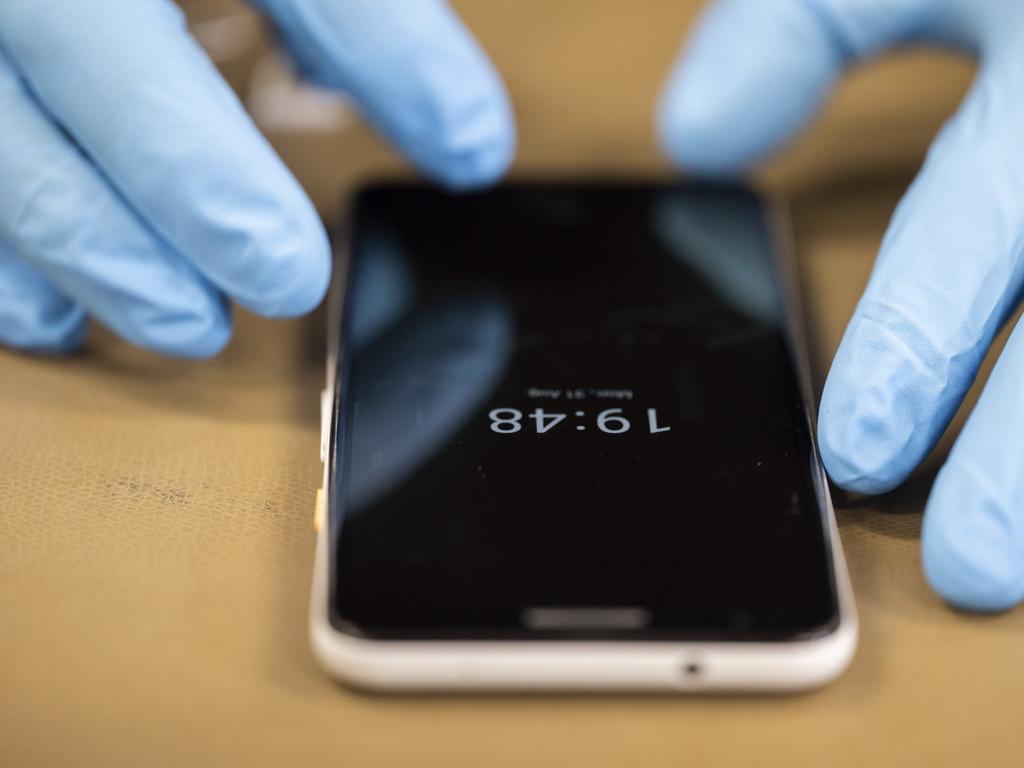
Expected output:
(586, 666)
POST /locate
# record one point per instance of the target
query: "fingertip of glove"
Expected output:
(204, 346)
(726, 107)
(56, 337)
(473, 149)
(693, 132)
(70, 340)
(857, 445)
(291, 266)
(301, 288)
(970, 552)
(197, 335)
(478, 168)
(887, 399)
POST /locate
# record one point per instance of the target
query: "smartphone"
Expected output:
(569, 444)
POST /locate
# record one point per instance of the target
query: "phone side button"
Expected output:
(326, 404)
(318, 510)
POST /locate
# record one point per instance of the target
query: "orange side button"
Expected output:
(318, 510)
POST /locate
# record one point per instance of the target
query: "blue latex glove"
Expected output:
(950, 270)
(135, 189)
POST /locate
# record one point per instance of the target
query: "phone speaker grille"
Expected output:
(583, 618)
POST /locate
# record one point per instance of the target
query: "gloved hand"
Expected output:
(135, 189)
(949, 273)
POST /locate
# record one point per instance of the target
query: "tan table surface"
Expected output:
(155, 537)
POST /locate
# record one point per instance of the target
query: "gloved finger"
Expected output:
(973, 537)
(756, 71)
(61, 216)
(151, 111)
(35, 316)
(416, 73)
(949, 271)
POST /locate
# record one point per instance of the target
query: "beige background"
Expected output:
(155, 539)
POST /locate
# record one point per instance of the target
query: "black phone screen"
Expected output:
(572, 411)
